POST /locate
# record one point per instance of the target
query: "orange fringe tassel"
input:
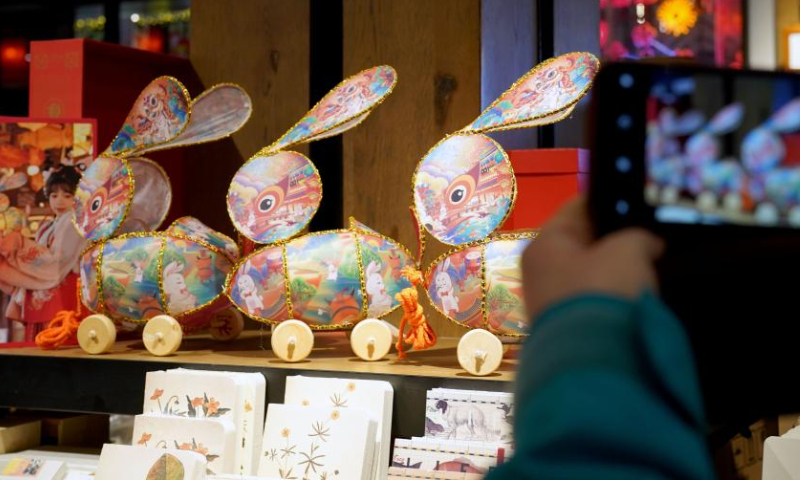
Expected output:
(420, 334)
(62, 328)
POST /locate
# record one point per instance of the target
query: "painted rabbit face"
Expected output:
(102, 197)
(443, 282)
(274, 197)
(246, 283)
(464, 188)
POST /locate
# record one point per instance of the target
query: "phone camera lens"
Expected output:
(623, 164)
(626, 80)
(624, 122)
(622, 207)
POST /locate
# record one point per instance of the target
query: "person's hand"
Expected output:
(565, 260)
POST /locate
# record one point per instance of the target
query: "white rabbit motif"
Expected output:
(179, 299)
(248, 291)
(379, 300)
(444, 289)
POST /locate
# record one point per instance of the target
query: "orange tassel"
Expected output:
(62, 328)
(420, 334)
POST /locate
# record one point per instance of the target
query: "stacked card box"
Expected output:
(217, 414)
(429, 454)
(466, 434)
(396, 473)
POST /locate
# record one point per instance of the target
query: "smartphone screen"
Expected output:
(723, 149)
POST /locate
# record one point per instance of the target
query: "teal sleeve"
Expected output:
(607, 388)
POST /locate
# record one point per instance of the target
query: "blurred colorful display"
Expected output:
(708, 31)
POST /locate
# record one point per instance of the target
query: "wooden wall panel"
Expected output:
(787, 14)
(435, 47)
(262, 45)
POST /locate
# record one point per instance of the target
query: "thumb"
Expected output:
(635, 241)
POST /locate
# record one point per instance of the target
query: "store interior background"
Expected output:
(453, 58)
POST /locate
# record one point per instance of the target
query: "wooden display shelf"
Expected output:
(69, 379)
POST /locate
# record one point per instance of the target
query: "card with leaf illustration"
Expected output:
(213, 438)
(318, 443)
(373, 396)
(125, 462)
(469, 415)
(235, 396)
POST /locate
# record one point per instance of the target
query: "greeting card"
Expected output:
(376, 397)
(318, 443)
(214, 438)
(123, 462)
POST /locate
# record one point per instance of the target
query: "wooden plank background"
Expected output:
(262, 45)
(435, 47)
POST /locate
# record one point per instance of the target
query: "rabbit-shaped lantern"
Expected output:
(709, 176)
(131, 274)
(773, 187)
(464, 189)
(330, 280)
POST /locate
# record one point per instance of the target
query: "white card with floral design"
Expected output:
(376, 397)
(248, 418)
(124, 462)
(235, 396)
(214, 438)
(318, 443)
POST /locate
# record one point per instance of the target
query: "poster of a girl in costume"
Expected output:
(40, 275)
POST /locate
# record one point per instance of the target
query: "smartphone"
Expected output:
(709, 159)
(679, 147)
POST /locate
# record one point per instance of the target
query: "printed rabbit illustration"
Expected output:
(178, 296)
(379, 300)
(444, 289)
(247, 287)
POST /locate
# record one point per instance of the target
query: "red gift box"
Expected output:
(88, 79)
(546, 179)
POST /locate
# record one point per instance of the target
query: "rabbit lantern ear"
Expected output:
(160, 114)
(546, 94)
(727, 120)
(787, 118)
(344, 107)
